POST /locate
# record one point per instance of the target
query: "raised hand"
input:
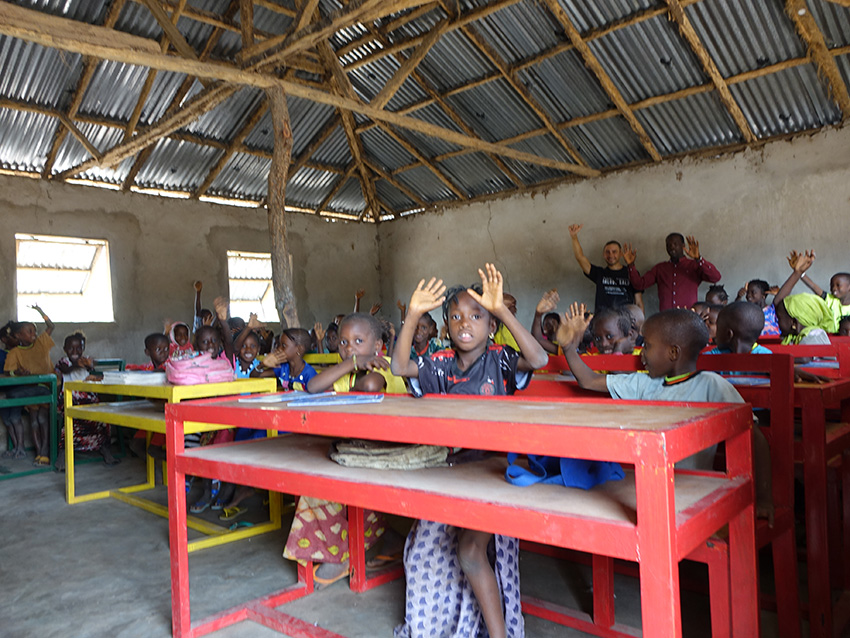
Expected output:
(319, 331)
(358, 294)
(375, 309)
(548, 302)
(274, 359)
(85, 362)
(629, 254)
(742, 292)
(491, 298)
(801, 262)
(426, 297)
(254, 323)
(574, 229)
(38, 309)
(221, 304)
(573, 325)
(692, 249)
(198, 286)
(401, 306)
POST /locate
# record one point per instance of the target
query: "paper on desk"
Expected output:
(284, 397)
(316, 400)
(737, 380)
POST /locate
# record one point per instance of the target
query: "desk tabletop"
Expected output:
(590, 428)
(175, 393)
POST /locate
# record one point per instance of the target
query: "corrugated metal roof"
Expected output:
(369, 79)
(38, 75)
(306, 119)
(309, 186)
(694, 122)
(243, 177)
(25, 140)
(349, 199)
(594, 15)
(440, 67)
(114, 90)
(606, 143)
(545, 146)
(91, 11)
(833, 20)
(334, 150)
(71, 153)
(164, 88)
(843, 62)
(385, 150)
(431, 146)
(392, 196)
(564, 87)
(788, 101)
(494, 111)
(646, 59)
(429, 187)
(177, 165)
(741, 36)
(520, 31)
(475, 173)
(222, 122)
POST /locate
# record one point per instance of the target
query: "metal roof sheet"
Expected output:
(843, 62)
(222, 122)
(164, 88)
(697, 121)
(742, 36)
(349, 198)
(785, 102)
(833, 20)
(38, 75)
(392, 196)
(71, 153)
(453, 61)
(384, 149)
(564, 87)
(309, 186)
(545, 146)
(519, 31)
(431, 146)
(334, 150)
(243, 177)
(475, 173)
(586, 16)
(177, 165)
(494, 111)
(368, 80)
(25, 139)
(114, 90)
(429, 187)
(606, 143)
(647, 59)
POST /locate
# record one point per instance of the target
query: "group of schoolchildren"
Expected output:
(485, 350)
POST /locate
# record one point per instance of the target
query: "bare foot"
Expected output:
(60, 462)
(106, 453)
(20, 454)
(8, 454)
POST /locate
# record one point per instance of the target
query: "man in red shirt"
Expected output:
(678, 279)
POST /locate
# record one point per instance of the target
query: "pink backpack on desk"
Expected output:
(201, 368)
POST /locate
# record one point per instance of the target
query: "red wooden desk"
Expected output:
(648, 527)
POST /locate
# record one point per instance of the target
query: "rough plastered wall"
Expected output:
(159, 247)
(747, 211)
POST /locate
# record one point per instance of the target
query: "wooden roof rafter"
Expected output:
(349, 171)
(819, 53)
(689, 34)
(595, 67)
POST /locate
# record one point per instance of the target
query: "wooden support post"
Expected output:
(281, 259)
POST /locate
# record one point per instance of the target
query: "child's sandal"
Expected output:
(200, 506)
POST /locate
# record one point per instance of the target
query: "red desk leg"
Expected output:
(814, 473)
(742, 543)
(356, 550)
(659, 569)
(181, 615)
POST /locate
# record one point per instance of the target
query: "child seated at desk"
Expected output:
(89, 436)
(319, 531)
(156, 348)
(30, 357)
(468, 591)
(287, 362)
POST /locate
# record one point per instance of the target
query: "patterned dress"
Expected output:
(89, 436)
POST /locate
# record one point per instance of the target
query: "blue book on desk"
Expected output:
(285, 397)
(316, 400)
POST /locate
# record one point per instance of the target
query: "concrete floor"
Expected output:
(101, 569)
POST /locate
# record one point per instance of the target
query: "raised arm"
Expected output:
(358, 295)
(319, 331)
(548, 302)
(639, 282)
(532, 354)
(198, 287)
(221, 311)
(49, 325)
(583, 261)
(639, 301)
(252, 325)
(820, 292)
(424, 299)
(800, 262)
(707, 270)
(570, 333)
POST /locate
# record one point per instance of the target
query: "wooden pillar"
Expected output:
(278, 173)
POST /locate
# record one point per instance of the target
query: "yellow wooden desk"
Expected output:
(147, 415)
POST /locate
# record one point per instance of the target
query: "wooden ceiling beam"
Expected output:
(168, 24)
(595, 67)
(79, 92)
(72, 128)
(318, 139)
(305, 16)
(105, 43)
(246, 22)
(388, 27)
(274, 6)
(343, 87)
(819, 53)
(689, 34)
(238, 139)
(409, 66)
(496, 60)
(275, 51)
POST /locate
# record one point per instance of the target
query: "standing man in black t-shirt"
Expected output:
(613, 287)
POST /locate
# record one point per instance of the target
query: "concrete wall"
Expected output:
(159, 246)
(747, 211)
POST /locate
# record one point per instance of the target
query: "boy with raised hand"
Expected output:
(838, 297)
